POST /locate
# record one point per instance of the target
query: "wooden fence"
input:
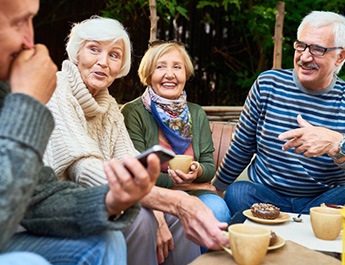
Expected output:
(229, 114)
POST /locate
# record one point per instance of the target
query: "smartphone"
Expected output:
(163, 154)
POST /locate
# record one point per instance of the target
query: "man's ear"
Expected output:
(341, 57)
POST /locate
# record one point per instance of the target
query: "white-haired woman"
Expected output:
(89, 126)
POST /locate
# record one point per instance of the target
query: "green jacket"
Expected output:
(143, 131)
(29, 192)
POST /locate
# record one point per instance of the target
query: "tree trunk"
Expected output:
(153, 20)
(278, 36)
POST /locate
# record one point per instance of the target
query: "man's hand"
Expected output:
(129, 182)
(197, 219)
(311, 140)
(34, 73)
(200, 225)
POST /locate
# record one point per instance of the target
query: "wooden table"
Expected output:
(302, 233)
(290, 253)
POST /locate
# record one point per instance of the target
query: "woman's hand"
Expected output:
(165, 241)
(179, 177)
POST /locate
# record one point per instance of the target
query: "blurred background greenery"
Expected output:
(230, 41)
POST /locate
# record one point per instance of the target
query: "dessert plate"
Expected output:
(283, 217)
(278, 244)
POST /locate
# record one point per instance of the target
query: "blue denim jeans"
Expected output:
(217, 205)
(219, 208)
(106, 248)
(240, 195)
(22, 258)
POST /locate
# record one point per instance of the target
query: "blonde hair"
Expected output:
(149, 60)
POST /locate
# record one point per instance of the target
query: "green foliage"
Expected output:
(225, 4)
(124, 10)
(202, 4)
(171, 7)
(233, 62)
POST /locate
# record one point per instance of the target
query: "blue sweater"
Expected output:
(272, 105)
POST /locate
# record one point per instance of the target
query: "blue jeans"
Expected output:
(217, 205)
(240, 195)
(106, 248)
(22, 258)
(219, 208)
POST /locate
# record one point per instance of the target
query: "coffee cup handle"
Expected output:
(197, 165)
(226, 248)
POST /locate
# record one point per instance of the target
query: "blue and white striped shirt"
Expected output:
(272, 106)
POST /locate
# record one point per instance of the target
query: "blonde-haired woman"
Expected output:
(163, 116)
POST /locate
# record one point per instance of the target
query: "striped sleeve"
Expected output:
(272, 106)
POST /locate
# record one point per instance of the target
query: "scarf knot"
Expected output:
(173, 118)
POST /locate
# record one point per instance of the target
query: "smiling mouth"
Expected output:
(168, 85)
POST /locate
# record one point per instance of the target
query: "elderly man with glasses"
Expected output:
(293, 121)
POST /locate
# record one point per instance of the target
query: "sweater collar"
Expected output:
(91, 106)
(312, 92)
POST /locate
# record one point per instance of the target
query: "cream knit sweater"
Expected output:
(89, 130)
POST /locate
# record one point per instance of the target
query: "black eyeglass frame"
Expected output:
(311, 50)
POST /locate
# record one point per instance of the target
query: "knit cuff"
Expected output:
(92, 214)
(26, 120)
(220, 185)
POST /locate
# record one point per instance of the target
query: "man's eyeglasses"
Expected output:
(159, 42)
(314, 49)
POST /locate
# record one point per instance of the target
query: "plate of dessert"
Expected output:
(266, 213)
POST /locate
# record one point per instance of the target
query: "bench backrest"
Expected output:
(221, 136)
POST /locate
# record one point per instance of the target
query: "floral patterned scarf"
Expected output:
(172, 116)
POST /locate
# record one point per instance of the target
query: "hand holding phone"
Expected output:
(163, 154)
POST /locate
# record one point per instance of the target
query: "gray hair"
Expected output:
(99, 29)
(318, 19)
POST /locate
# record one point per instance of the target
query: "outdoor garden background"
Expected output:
(230, 41)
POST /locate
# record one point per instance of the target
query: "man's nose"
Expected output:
(28, 40)
(306, 55)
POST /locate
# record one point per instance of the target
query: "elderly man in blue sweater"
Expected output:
(61, 221)
(293, 121)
